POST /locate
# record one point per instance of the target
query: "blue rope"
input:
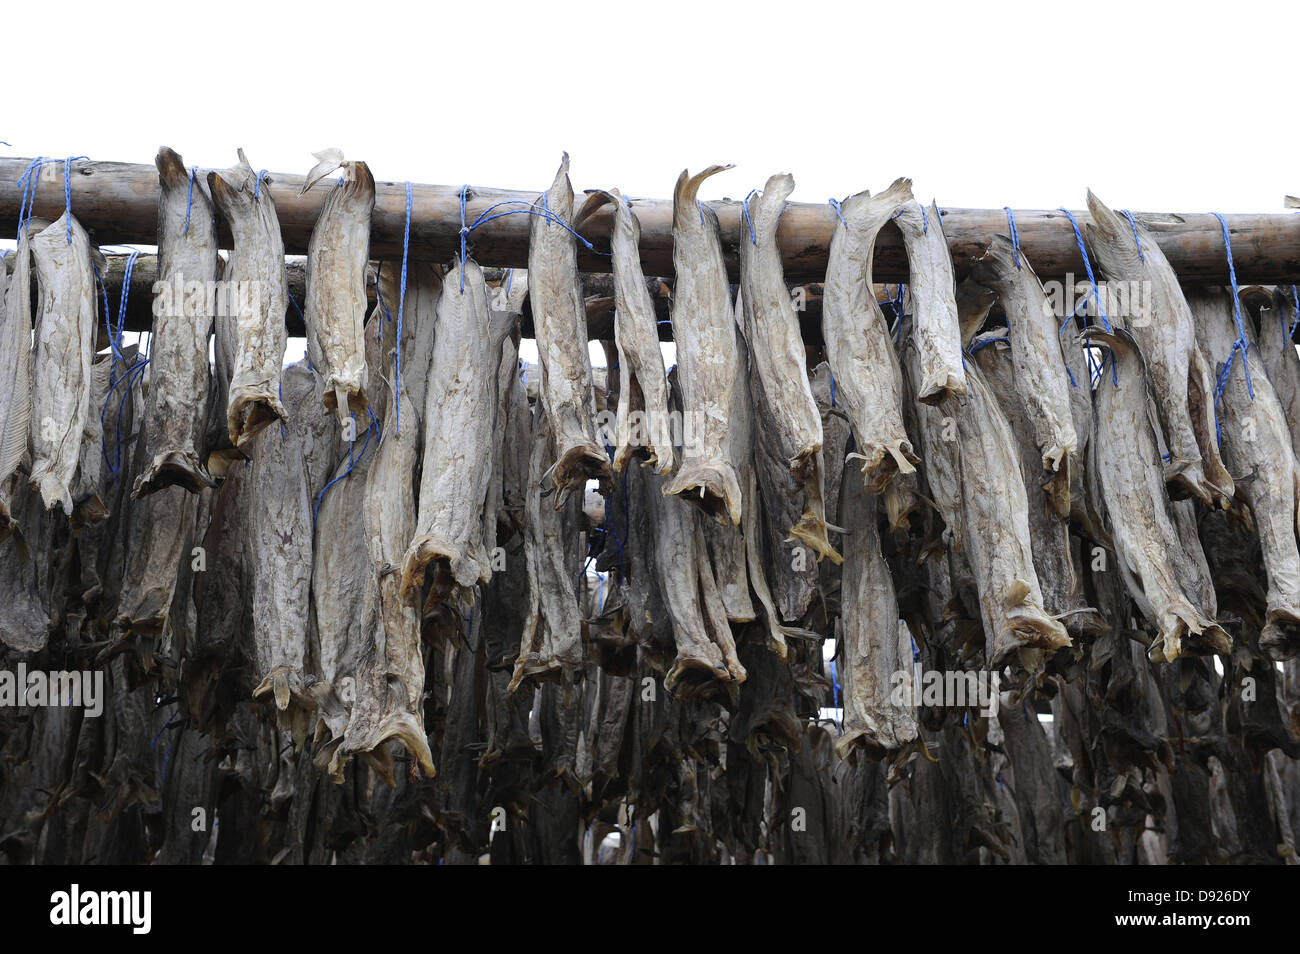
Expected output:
(257, 186)
(352, 461)
(832, 390)
(1295, 298)
(401, 300)
(1087, 265)
(27, 181)
(925, 222)
(1236, 303)
(67, 191)
(510, 277)
(1222, 382)
(745, 207)
(1132, 223)
(835, 697)
(1015, 235)
(700, 206)
(189, 199)
(835, 204)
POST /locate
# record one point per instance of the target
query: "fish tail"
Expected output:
(178, 468)
(717, 486)
(765, 211)
(687, 190)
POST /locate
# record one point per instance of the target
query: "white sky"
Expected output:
(1184, 108)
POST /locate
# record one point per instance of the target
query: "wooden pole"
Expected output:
(118, 203)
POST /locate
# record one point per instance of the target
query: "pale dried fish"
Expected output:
(873, 648)
(1277, 321)
(778, 372)
(178, 352)
(858, 345)
(1127, 461)
(255, 282)
(995, 528)
(335, 307)
(459, 415)
(15, 369)
(933, 290)
(1041, 379)
(560, 322)
(708, 362)
(65, 350)
(642, 425)
(1181, 381)
(1257, 441)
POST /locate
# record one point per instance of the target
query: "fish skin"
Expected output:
(15, 370)
(708, 361)
(1256, 438)
(65, 351)
(334, 311)
(778, 380)
(1180, 378)
(256, 270)
(550, 646)
(858, 344)
(458, 420)
(937, 441)
(1040, 380)
(642, 384)
(176, 403)
(995, 527)
(1279, 355)
(1127, 458)
(933, 289)
(560, 323)
(279, 555)
(870, 643)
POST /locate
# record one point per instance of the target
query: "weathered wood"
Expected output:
(118, 203)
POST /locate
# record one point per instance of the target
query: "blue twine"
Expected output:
(984, 343)
(925, 222)
(1015, 235)
(1222, 382)
(1295, 298)
(67, 191)
(700, 206)
(401, 301)
(27, 182)
(1087, 265)
(835, 697)
(1132, 223)
(352, 461)
(832, 390)
(745, 207)
(510, 277)
(1236, 304)
(189, 199)
(257, 186)
(835, 204)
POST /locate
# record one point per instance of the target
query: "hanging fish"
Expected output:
(933, 290)
(1041, 378)
(560, 323)
(708, 361)
(456, 467)
(65, 351)
(1127, 462)
(858, 346)
(1180, 378)
(782, 397)
(255, 285)
(15, 369)
(337, 257)
(642, 383)
(178, 351)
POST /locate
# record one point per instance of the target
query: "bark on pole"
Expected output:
(118, 203)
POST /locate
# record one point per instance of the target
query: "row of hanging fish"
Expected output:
(301, 536)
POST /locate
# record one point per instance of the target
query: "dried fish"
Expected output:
(708, 363)
(254, 282)
(1180, 379)
(15, 369)
(337, 257)
(65, 350)
(178, 352)
(858, 345)
(933, 290)
(782, 397)
(458, 421)
(551, 643)
(1277, 322)
(995, 530)
(560, 321)
(875, 651)
(642, 426)
(1127, 461)
(1041, 380)
(1256, 440)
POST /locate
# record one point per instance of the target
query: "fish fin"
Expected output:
(171, 168)
(327, 160)
(765, 212)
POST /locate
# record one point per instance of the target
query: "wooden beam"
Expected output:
(117, 202)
